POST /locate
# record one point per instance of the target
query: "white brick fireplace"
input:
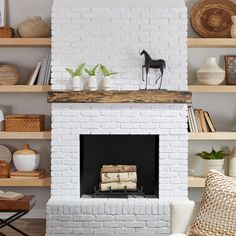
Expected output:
(113, 33)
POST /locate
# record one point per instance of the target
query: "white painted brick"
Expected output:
(71, 46)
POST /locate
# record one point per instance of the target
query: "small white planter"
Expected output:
(77, 83)
(217, 165)
(93, 83)
(106, 83)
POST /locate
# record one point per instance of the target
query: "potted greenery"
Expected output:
(76, 77)
(107, 77)
(92, 84)
(213, 160)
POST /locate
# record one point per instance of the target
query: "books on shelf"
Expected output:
(41, 74)
(199, 121)
(37, 174)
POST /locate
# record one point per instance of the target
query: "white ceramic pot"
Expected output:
(106, 82)
(232, 164)
(217, 165)
(211, 73)
(233, 28)
(26, 159)
(77, 83)
(93, 83)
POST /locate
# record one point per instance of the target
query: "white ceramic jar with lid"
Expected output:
(26, 159)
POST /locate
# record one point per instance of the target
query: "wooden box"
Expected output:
(7, 32)
(25, 123)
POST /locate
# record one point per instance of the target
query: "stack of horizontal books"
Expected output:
(37, 174)
(199, 121)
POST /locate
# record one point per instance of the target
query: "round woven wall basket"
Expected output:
(212, 18)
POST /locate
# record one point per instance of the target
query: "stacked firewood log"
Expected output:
(118, 177)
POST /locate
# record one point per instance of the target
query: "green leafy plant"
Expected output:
(106, 72)
(92, 72)
(213, 155)
(77, 72)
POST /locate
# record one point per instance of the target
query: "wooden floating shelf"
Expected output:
(212, 136)
(148, 96)
(25, 88)
(196, 182)
(211, 42)
(43, 182)
(26, 135)
(25, 42)
(212, 89)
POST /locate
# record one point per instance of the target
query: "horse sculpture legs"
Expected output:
(147, 70)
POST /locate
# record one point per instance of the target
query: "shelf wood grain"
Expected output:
(25, 42)
(25, 88)
(197, 182)
(211, 42)
(212, 136)
(43, 182)
(46, 135)
(212, 89)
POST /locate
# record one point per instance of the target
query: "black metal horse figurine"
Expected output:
(152, 64)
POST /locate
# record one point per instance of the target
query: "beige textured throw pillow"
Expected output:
(217, 212)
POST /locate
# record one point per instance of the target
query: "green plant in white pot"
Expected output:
(92, 83)
(213, 160)
(76, 76)
(107, 78)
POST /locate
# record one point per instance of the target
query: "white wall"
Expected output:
(25, 59)
(221, 106)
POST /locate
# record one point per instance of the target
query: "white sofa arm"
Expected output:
(182, 215)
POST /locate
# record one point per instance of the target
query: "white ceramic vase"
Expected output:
(232, 164)
(26, 159)
(106, 82)
(211, 73)
(93, 83)
(233, 28)
(77, 83)
(217, 165)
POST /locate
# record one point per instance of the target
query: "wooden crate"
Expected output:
(25, 123)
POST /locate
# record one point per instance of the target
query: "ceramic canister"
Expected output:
(26, 159)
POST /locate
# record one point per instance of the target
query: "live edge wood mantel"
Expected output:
(142, 96)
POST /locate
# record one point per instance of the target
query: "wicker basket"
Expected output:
(25, 123)
(7, 32)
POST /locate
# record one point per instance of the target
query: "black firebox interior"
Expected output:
(139, 150)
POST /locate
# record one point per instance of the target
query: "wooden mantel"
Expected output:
(142, 96)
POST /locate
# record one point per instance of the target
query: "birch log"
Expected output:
(118, 186)
(118, 168)
(119, 177)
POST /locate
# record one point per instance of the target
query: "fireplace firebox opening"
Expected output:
(124, 151)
